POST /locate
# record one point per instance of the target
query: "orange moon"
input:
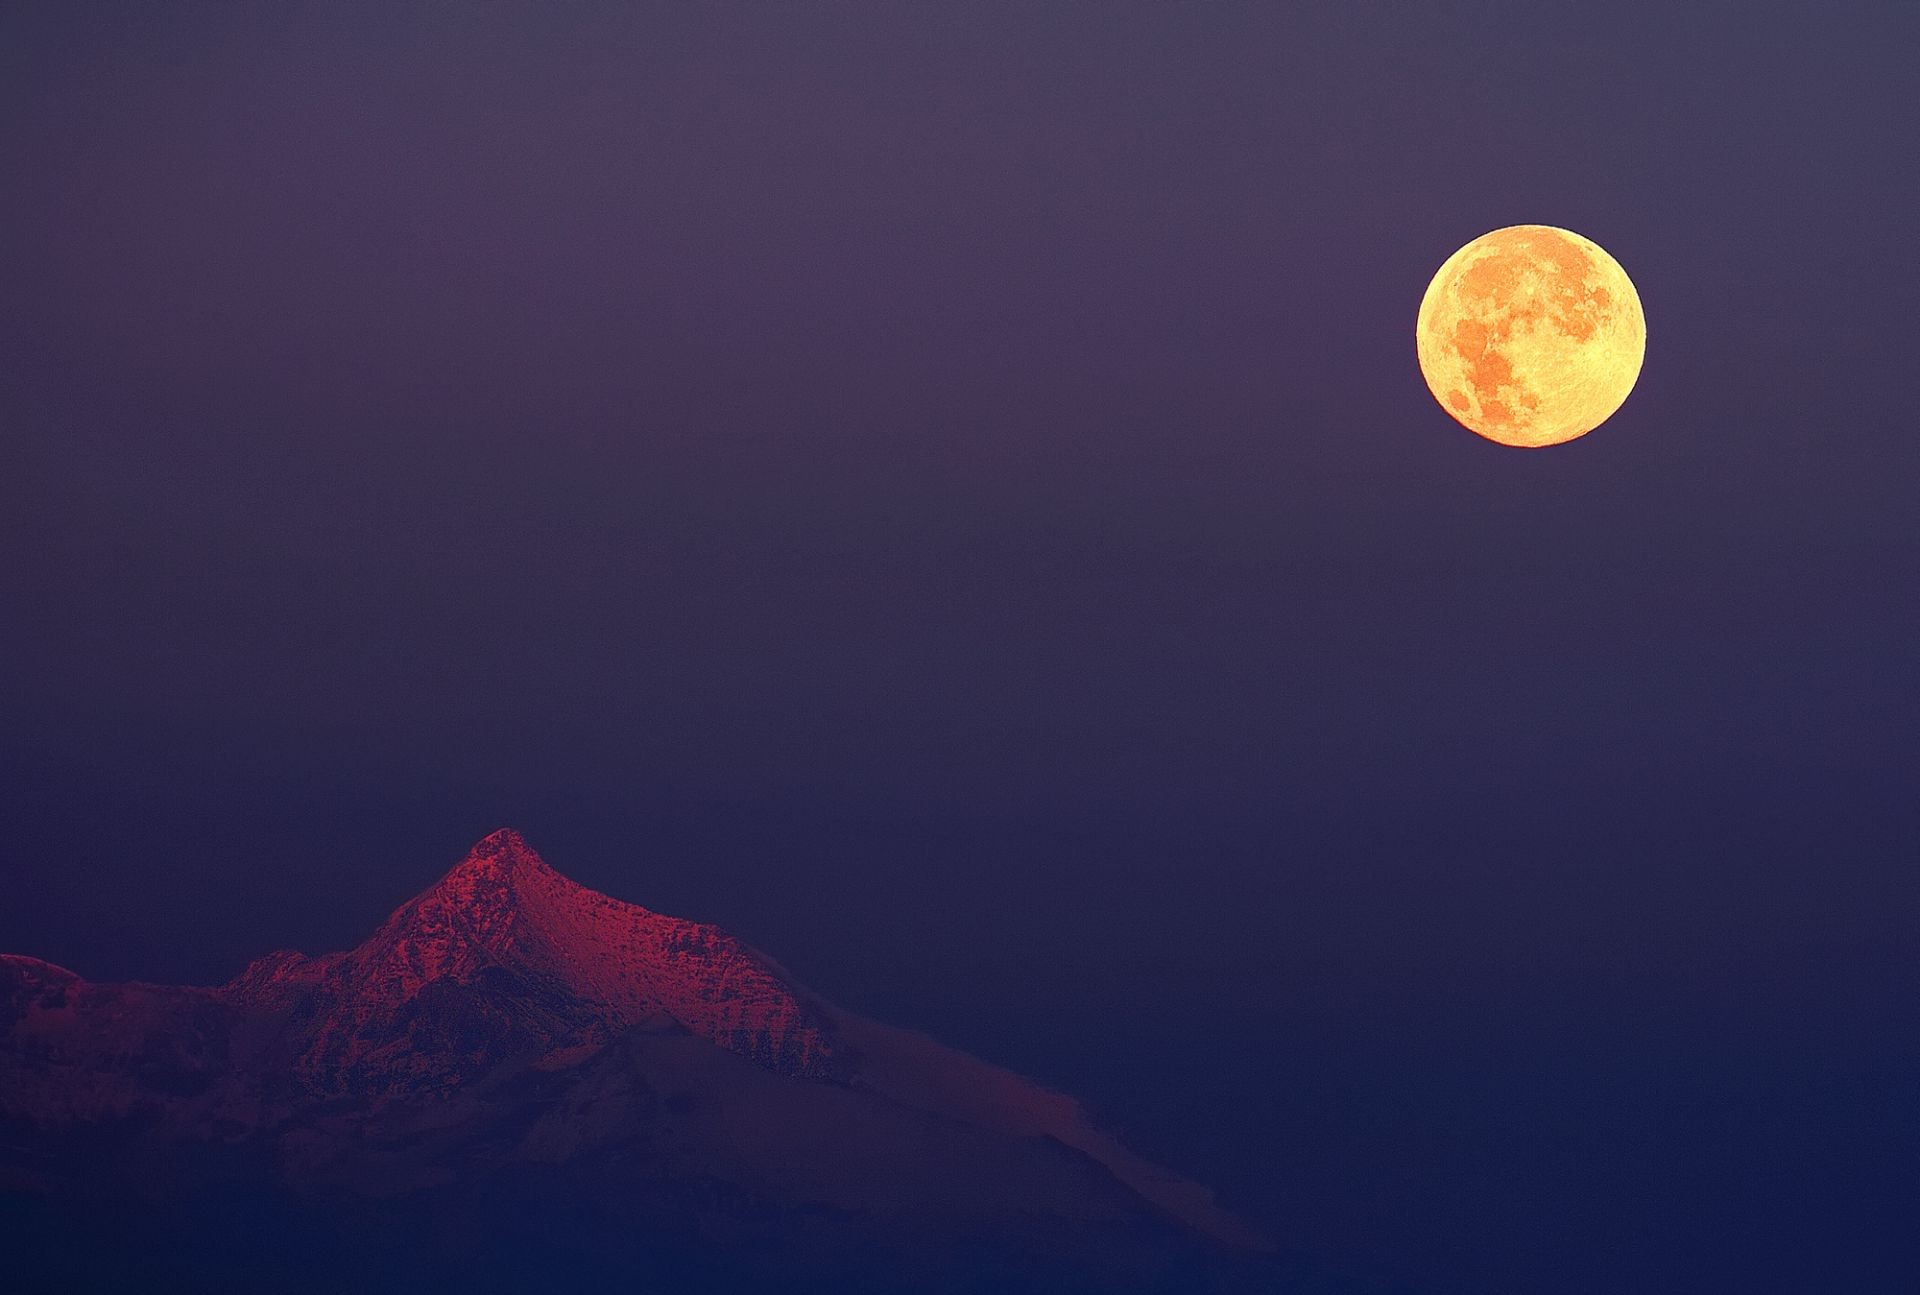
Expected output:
(1531, 335)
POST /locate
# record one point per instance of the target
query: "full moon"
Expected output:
(1531, 335)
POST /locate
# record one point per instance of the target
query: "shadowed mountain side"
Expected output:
(508, 1025)
(925, 1074)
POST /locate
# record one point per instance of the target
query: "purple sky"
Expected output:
(945, 491)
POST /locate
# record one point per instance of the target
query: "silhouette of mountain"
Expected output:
(511, 1046)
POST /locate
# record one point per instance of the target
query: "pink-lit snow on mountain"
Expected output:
(507, 1015)
(553, 967)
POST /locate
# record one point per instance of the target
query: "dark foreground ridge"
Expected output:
(518, 1079)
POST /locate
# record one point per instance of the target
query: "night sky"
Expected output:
(945, 492)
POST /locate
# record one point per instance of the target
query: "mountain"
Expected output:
(510, 1045)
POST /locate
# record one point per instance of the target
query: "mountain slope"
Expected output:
(575, 968)
(508, 1019)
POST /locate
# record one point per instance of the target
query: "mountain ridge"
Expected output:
(603, 963)
(507, 1015)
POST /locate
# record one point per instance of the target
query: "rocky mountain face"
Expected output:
(504, 958)
(510, 1026)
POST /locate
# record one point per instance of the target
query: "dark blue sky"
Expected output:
(945, 491)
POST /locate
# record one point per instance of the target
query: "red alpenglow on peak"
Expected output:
(507, 1015)
(503, 956)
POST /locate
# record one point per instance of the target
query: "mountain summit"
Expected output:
(508, 1021)
(504, 957)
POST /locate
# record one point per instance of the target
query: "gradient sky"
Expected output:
(946, 492)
